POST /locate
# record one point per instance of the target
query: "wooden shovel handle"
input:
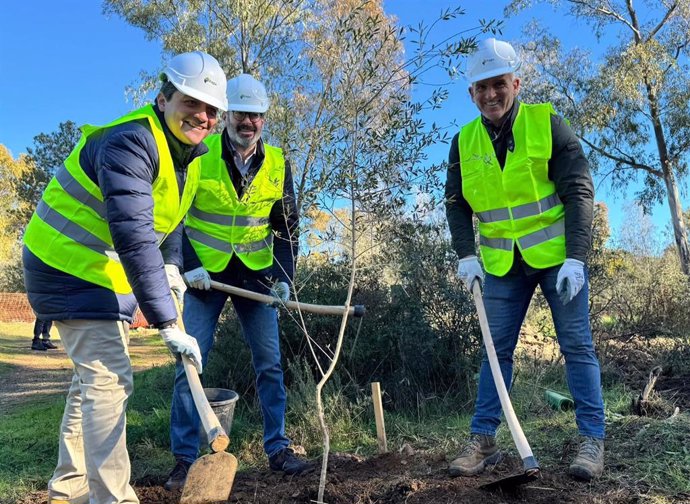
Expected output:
(218, 439)
(511, 419)
(353, 311)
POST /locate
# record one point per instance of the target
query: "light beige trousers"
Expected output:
(93, 455)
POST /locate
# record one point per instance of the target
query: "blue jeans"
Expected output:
(506, 300)
(259, 323)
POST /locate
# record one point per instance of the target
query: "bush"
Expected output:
(419, 337)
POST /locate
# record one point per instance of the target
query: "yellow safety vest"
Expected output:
(220, 224)
(519, 204)
(69, 230)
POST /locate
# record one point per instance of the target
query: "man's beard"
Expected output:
(243, 142)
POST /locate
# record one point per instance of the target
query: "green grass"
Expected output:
(648, 455)
(29, 440)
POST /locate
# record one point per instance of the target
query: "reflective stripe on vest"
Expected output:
(226, 247)
(75, 231)
(521, 211)
(527, 241)
(228, 220)
(516, 205)
(220, 224)
(69, 230)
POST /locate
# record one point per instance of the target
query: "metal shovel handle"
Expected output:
(352, 311)
(516, 432)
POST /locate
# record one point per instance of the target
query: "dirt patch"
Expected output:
(631, 360)
(419, 478)
(30, 376)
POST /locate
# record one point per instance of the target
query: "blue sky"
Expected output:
(67, 61)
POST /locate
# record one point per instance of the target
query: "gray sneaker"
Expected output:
(589, 461)
(479, 451)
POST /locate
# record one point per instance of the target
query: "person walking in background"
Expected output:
(521, 171)
(242, 231)
(97, 245)
(41, 339)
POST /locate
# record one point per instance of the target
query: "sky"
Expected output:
(66, 60)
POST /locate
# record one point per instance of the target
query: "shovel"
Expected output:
(210, 477)
(353, 311)
(530, 465)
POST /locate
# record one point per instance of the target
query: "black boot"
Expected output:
(49, 344)
(37, 344)
(177, 476)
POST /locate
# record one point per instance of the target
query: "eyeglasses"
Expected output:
(253, 116)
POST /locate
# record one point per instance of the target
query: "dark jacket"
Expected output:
(123, 162)
(568, 169)
(284, 220)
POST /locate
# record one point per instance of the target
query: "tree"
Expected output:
(632, 110)
(342, 107)
(47, 154)
(12, 211)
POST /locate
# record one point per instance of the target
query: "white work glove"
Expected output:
(280, 291)
(198, 278)
(470, 270)
(175, 280)
(180, 342)
(571, 278)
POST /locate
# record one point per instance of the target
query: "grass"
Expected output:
(29, 440)
(649, 456)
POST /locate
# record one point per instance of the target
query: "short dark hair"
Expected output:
(168, 89)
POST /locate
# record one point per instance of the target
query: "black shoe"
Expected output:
(177, 476)
(49, 344)
(37, 344)
(286, 461)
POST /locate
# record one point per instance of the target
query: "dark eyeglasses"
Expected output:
(253, 116)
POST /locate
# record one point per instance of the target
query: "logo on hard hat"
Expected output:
(488, 60)
(208, 79)
(245, 96)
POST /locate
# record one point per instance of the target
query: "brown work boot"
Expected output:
(589, 461)
(479, 451)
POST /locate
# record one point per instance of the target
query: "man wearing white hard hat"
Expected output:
(521, 171)
(105, 236)
(241, 230)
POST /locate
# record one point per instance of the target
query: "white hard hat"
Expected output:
(200, 76)
(491, 59)
(246, 94)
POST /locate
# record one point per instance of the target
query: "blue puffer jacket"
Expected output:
(123, 161)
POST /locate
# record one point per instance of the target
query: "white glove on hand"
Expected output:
(571, 278)
(180, 342)
(198, 278)
(175, 280)
(280, 291)
(470, 270)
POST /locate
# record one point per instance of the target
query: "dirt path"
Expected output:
(28, 375)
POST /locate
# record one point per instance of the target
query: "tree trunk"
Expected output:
(679, 230)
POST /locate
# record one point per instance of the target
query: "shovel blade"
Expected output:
(209, 480)
(511, 482)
